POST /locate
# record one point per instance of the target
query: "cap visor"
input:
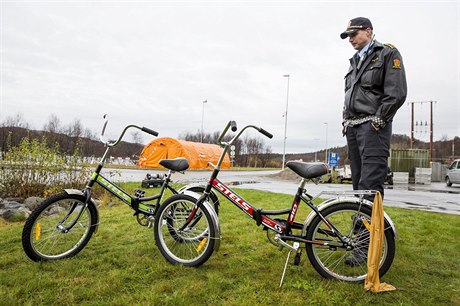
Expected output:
(347, 33)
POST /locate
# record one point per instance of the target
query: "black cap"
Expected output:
(358, 23)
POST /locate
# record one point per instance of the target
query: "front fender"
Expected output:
(91, 202)
(334, 201)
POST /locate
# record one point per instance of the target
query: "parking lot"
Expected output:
(435, 197)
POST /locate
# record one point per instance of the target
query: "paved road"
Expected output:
(436, 197)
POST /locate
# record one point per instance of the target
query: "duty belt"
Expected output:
(358, 121)
(353, 122)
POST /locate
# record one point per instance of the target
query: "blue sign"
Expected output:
(333, 159)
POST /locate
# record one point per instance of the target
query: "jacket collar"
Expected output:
(377, 45)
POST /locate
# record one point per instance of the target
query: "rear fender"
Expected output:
(91, 202)
(212, 194)
(214, 218)
(331, 202)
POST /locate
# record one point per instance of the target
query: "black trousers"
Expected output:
(368, 151)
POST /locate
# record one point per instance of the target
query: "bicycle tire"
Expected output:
(330, 262)
(43, 238)
(191, 246)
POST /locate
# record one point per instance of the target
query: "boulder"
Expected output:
(32, 202)
(13, 215)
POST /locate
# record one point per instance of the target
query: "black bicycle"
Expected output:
(335, 234)
(62, 225)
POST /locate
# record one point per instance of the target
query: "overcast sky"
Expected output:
(153, 63)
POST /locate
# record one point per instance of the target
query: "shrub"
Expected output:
(34, 169)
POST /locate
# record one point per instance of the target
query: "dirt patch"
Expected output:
(286, 174)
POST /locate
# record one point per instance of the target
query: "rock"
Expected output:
(25, 211)
(13, 215)
(13, 205)
(32, 202)
(20, 200)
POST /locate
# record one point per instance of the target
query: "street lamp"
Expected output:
(326, 157)
(316, 150)
(285, 120)
(202, 120)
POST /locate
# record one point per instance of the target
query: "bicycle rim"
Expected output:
(48, 238)
(190, 246)
(333, 261)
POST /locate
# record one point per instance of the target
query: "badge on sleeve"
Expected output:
(396, 64)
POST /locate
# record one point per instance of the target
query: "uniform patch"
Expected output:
(396, 64)
(390, 46)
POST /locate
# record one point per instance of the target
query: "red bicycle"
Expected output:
(335, 233)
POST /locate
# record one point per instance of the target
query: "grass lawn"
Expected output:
(122, 266)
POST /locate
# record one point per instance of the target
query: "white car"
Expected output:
(453, 173)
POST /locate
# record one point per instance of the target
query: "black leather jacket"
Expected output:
(378, 87)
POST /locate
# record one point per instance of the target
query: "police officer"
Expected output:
(375, 88)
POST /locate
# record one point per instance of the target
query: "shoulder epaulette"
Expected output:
(390, 46)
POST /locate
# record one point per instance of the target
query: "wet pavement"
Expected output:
(435, 197)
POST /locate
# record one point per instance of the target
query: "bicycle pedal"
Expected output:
(139, 193)
(297, 257)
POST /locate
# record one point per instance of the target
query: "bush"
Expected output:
(34, 169)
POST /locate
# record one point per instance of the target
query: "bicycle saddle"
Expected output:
(176, 164)
(308, 170)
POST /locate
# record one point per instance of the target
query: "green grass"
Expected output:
(121, 265)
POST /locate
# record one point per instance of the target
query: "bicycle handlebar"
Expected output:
(112, 143)
(269, 135)
(151, 132)
(232, 124)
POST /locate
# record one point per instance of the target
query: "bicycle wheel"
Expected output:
(336, 261)
(48, 233)
(190, 246)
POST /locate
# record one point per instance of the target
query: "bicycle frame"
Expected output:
(136, 203)
(261, 217)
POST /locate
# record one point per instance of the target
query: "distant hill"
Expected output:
(67, 144)
(443, 150)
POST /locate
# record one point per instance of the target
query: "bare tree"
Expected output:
(74, 129)
(53, 125)
(136, 137)
(16, 121)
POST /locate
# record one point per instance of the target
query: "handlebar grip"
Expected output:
(233, 125)
(269, 135)
(147, 130)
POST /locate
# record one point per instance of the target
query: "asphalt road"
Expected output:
(435, 197)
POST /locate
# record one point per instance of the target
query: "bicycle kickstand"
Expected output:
(296, 246)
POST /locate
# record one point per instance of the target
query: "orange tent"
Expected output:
(198, 154)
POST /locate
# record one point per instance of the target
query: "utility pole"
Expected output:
(431, 125)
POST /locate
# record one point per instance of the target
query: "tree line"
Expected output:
(70, 138)
(249, 151)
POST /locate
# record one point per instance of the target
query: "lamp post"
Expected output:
(285, 120)
(202, 120)
(316, 150)
(326, 157)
